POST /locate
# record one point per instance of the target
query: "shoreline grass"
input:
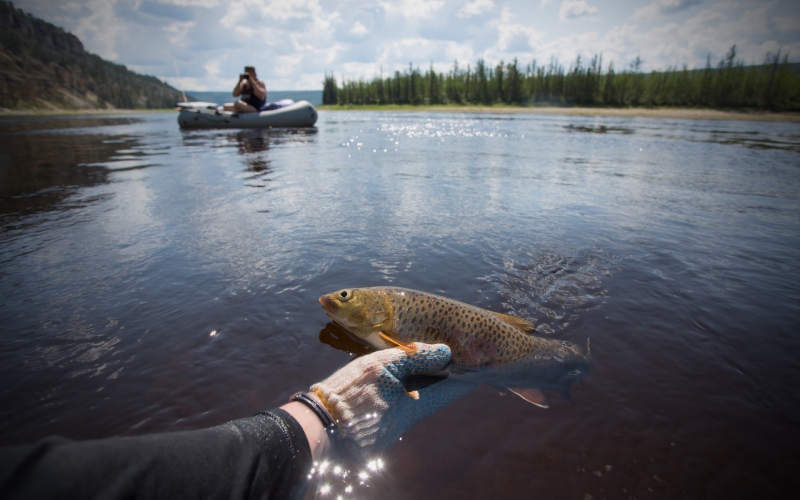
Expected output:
(671, 112)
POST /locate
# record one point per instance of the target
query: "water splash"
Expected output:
(552, 287)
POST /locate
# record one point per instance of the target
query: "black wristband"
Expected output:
(317, 408)
(342, 447)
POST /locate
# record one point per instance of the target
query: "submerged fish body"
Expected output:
(487, 347)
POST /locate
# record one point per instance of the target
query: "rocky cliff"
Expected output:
(43, 67)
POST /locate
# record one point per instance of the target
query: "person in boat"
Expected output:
(251, 91)
(361, 409)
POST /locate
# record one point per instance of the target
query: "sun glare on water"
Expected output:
(337, 481)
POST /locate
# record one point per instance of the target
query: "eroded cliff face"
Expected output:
(43, 67)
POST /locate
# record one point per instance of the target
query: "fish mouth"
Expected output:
(328, 304)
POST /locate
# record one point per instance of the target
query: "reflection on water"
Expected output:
(599, 129)
(339, 338)
(156, 279)
(14, 125)
(747, 135)
(39, 172)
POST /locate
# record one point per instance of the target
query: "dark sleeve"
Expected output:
(263, 456)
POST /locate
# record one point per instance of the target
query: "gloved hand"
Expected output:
(370, 404)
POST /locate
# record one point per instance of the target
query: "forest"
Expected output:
(773, 85)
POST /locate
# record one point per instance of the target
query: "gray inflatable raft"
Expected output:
(206, 115)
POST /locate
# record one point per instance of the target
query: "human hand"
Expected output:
(369, 402)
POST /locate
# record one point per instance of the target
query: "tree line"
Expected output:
(729, 84)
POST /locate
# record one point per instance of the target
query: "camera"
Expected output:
(243, 76)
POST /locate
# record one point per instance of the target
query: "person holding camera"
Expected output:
(251, 91)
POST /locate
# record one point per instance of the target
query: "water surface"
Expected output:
(153, 279)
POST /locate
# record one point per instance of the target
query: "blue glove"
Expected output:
(368, 399)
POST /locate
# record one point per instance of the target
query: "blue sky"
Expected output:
(293, 43)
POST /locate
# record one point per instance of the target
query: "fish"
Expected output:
(487, 347)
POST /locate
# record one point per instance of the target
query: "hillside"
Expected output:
(43, 67)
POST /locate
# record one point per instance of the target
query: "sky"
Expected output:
(204, 44)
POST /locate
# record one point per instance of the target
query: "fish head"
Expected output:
(361, 311)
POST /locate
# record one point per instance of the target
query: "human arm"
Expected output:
(318, 440)
(237, 90)
(265, 455)
(259, 88)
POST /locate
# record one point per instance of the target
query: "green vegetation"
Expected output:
(772, 86)
(44, 68)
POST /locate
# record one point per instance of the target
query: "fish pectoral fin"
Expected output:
(413, 394)
(408, 348)
(522, 324)
(531, 395)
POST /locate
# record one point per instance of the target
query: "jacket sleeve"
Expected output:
(263, 456)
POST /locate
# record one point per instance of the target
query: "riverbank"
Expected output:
(684, 113)
(76, 112)
(675, 113)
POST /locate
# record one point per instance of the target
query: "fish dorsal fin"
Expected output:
(531, 395)
(521, 324)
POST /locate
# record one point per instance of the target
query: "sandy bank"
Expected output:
(682, 113)
(675, 113)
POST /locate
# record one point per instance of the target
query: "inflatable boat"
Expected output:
(210, 115)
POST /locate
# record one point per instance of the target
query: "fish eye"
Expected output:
(345, 295)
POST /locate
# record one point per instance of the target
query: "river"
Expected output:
(153, 279)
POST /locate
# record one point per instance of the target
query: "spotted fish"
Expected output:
(487, 347)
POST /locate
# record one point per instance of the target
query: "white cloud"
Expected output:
(359, 29)
(663, 8)
(788, 24)
(713, 32)
(243, 11)
(514, 37)
(72, 7)
(572, 10)
(177, 31)
(476, 8)
(457, 52)
(100, 28)
(413, 8)
(212, 68)
(192, 3)
(294, 42)
(614, 45)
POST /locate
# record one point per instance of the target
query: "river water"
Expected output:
(153, 279)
